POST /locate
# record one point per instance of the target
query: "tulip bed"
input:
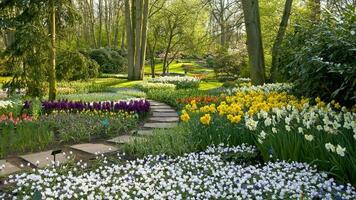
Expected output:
(281, 126)
(204, 175)
(38, 125)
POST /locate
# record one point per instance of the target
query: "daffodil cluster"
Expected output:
(282, 126)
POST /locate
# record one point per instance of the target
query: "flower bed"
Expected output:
(138, 106)
(151, 86)
(205, 175)
(70, 122)
(181, 82)
(282, 127)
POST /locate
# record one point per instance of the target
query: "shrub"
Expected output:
(227, 66)
(181, 82)
(73, 65)
(320, 58)
(150, 86)
(110, 60)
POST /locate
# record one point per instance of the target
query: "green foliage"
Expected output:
(110, 60)
(73, 65)
(172, 142)
(227, 66)
(170, 96)
(27, 53)
(320, 58)
(88, 126)
(219, 131)
(24, 137)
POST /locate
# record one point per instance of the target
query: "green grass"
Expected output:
(208, 85)
(104, 96)
(177, 68)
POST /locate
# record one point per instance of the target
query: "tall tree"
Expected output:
(136, 14)
(227, 16)
(254, 41)
(279, 38)
(100, 9)
(52, 68)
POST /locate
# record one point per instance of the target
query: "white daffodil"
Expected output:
(330, 147)
(309, 137)
(340, 150)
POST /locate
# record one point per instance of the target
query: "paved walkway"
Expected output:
(162, 117)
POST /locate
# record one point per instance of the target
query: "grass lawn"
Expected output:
(177, 68)
(208, 85)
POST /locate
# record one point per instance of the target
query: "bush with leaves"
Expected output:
(110, 60)
(73, 65)
(320, 58)
(228, 65)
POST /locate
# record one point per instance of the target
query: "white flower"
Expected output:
(288, 128)
(251, 124)
(274, 130)
(330, 147)
(352, 32)
(268, 121)
(263, 134)
(300, 129)
(340, 150)
(309, 137)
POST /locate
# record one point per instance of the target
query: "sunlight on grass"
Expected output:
(177, 68)
(126, 84)
(209, 85)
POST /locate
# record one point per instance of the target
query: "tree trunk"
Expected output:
(254, 41)
(116, 34)
(279, 38)
(123, 39)
(100, 22)
(107, 23)
(138, 44)
(130, 40)
(168, 49)
(52, 69)
(144, 37)
(136, 36)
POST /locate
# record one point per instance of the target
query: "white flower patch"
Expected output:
(269, 87)
(173, 79)
(6, 104)
(204, 175)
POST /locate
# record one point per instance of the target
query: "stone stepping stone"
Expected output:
(94, 149)
(163, 119)
(43, 159)
(7, 168)
(164, 114)
(154, 103)
(159, 125)
(161, 107)
(163, 110)
(142, 132)
(122, 139)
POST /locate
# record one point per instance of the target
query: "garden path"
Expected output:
(162, 117)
